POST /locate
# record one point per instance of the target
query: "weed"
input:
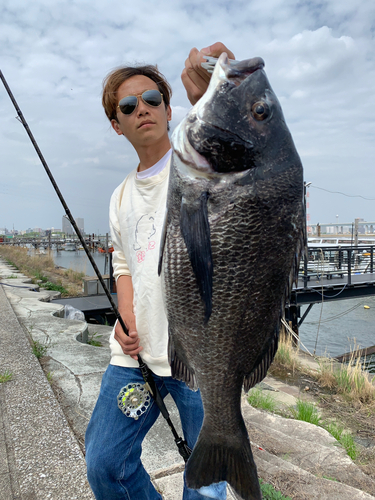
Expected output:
(330, 478)
(49, 376)
(348, 443)
(334, 429)
(74, 276)
(305, 411)
(38, 348)
(308, 413)
(12, 276)
(349, 379)
(48, 285)
(286, 355)
(269, 492)
(258, 399)
(40, 277)
(5, 376)
(94, 339)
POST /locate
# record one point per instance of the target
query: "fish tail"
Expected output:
(232, 461)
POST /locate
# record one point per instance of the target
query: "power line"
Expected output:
(344, 194)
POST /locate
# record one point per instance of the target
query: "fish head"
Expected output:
(237, 125)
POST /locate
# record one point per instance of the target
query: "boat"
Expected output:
(321, 242)
(70, 247)
(103, 250)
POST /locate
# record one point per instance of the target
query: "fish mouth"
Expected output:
(239, 70)
(219, 137)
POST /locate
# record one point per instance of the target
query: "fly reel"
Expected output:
(133, 400)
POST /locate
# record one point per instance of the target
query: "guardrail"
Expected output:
(337, 261)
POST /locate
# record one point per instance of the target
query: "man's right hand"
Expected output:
(194, 77)
(129, 344)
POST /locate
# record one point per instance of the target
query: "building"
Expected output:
(67, 228)
(81, 224)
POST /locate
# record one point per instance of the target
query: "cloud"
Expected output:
(319, 60)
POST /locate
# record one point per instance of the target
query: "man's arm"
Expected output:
(194, 77)
(129, 344)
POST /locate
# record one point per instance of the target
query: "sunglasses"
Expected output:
(150, 97)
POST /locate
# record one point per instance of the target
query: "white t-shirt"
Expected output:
(136, 217)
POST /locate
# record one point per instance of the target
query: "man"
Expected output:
(137, 103)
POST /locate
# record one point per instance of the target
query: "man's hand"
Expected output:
(194, 77)
(129, 344)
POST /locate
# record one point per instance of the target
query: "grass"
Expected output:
(48, 285)
(349, 379)
(258, 399)
(269, 492)
(94, 339)
(307, 412)
(287, 354)
(5, 376)
(41, 269)
(49, 376)
(38, 349)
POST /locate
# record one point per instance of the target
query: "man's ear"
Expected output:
(116, 127)
(169, 113)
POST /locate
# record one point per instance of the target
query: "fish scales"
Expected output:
(233, 236)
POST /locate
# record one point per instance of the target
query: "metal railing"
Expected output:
(329, 262)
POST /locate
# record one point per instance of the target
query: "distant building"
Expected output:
(67, 228)
(81, 224)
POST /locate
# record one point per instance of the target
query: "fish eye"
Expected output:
(260, 110)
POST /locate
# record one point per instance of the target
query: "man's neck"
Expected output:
(149, 155)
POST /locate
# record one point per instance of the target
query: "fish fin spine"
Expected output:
(179, 369)
(263, 363)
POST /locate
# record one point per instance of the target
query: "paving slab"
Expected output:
(42, 455)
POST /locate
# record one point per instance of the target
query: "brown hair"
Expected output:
(117, 77)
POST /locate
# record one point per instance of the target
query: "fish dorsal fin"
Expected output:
(195, 230)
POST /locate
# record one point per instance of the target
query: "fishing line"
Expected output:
(331, 318)
(150, 384)
(330, 296)
(296, 338)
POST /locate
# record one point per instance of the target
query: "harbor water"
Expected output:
(78, 261)
(340, 326)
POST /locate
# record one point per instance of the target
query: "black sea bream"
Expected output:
(234, 233)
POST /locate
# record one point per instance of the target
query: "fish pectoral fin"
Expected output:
(162, 241)
(263, 363)
(179, 368)
(195, 229)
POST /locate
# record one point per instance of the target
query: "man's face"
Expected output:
(147, 125)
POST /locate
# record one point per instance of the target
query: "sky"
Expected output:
(320, 61)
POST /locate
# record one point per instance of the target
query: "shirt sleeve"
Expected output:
(120, 266)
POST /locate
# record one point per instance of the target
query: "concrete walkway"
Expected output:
(42, 432)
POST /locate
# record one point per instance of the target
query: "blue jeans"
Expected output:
(114, 441)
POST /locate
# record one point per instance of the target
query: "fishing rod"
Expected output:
(131, 400)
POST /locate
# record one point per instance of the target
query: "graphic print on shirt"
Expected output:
(144, 237)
